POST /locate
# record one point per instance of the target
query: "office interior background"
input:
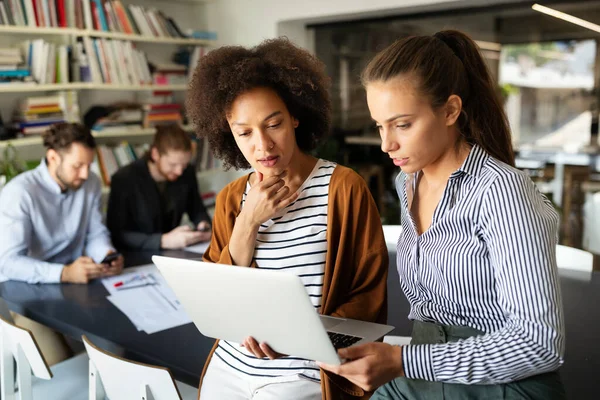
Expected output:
(546, 70)
(545, 60)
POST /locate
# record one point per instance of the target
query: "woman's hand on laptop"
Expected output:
(261, 350)
(369, 365)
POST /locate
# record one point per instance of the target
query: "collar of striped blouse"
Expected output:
(473, 164)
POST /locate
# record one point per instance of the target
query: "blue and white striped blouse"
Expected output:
(488, 261)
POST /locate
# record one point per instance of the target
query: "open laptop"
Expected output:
(232, 303)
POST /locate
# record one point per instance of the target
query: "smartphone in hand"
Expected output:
(110, 258)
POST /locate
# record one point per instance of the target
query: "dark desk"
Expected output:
(83, 309)
(76, 310)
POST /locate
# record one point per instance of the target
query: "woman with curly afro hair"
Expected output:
(267, 108)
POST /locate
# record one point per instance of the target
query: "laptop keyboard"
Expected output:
(339, 340)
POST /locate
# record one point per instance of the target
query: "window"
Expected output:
(547, 88)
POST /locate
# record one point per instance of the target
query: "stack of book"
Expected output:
(160, 109)
(169, 74)
(120, 121)
(12, 68)
(35, 114)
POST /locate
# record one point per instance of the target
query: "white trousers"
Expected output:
(223, 382)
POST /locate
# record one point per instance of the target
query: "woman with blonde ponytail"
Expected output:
(476, 256)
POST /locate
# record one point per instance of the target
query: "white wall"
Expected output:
(248, 22)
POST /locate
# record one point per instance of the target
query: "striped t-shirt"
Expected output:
(293, 241)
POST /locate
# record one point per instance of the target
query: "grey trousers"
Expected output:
(546, 386)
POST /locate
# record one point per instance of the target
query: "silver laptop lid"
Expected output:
(232, 303)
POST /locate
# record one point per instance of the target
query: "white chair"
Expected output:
(64, 381)
(121, 379)
(5, 312)
(391, 234)
(574, 259)
(591, 223)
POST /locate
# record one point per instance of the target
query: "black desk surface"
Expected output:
(75, 310)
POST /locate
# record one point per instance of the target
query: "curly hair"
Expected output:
(222, 75)
(61, 136)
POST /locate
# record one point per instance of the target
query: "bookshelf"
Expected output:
(101, 137)
(39, 31)
(26, 87)
(57, 87)
(132, 132)
(74, 32)
(157, 45)
(145, 39)
(108, 86)
(364, 140)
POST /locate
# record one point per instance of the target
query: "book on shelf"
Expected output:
(198, 34)
(110, 158)
(13, 69)
(89, 60)
(92, 15)
(202, 157)
(35, 61)
(159, 108)
(194, 58)
(35, 115)
(169, 74)
(116, 62)
(118, 119)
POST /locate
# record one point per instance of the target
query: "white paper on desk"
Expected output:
(199, 248)
(124, 310)
(148, 310)
(128, 273)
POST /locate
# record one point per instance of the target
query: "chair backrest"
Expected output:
(5, 312)
(574, 259)
(391, 234)
(18, 344)
(128, 380)
(591, 226)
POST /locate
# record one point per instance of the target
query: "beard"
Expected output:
(170, 177)
(71, 185)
